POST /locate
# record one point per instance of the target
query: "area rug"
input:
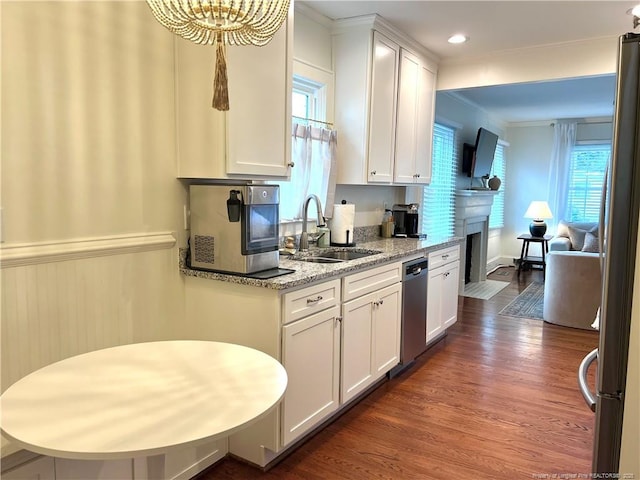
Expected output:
(483, 290)
(528, 304)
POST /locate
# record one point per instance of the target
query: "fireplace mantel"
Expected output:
(472, 210)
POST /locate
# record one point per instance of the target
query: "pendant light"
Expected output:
(223, 22)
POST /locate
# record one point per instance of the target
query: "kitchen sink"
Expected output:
(347, 254)
(319, 260)
(334, 256)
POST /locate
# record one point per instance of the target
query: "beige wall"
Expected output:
(88, 135)
(89, 197)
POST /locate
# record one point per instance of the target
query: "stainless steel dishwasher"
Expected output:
(413, 334)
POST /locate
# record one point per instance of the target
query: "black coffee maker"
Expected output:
(405, 217)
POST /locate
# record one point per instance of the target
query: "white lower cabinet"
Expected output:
(178, 464)
(442, 291)
(184, 463)
(311, 356)
(370, 339)
(41, 468)
(340, 335)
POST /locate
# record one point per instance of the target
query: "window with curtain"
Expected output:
(438, 200)
(312, 151)
(499, 168)
(586, 177)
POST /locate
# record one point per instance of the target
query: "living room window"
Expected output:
(438, 197)
(499, 168)
(586, 177)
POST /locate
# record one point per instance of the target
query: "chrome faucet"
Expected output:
(304, 236)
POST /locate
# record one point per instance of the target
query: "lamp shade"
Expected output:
(538, 211)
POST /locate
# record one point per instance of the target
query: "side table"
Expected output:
(528, 260)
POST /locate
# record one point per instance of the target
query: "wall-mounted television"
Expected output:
(477, 159)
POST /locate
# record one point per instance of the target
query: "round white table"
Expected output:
(141, 399)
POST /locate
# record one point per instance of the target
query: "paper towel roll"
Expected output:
(342, 224)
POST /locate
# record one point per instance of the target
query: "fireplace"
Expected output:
(473, 243)
(472, 224)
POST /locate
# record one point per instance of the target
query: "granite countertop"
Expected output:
(307, 272)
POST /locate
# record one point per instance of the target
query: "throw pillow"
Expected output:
(563, 229)
(576, 235)
(590, 243)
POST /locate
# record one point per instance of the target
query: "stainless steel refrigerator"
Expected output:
(622, 210)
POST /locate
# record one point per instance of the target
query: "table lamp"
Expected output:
(538, 211)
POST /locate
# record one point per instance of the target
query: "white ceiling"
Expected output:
(500, 26)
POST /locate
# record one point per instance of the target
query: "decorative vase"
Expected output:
(494, 183)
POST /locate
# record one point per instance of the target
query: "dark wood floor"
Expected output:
(496, 399)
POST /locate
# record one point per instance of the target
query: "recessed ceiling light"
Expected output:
(458, 38)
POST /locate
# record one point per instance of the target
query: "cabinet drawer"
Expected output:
(444, 256)
(310, 300)
(368, 281)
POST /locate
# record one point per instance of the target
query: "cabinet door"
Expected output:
(434, 303)
(370, 339)
(357, 339)
(382, 119)
(184, 463)
(386, 329)
(67, 469)
(259, 117)
(415, 120)
(252, 139)
(425, 119)
(406, 133)
(39, 469)
(311, 356)
(450, 279)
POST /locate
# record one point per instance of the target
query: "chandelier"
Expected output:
(223, 22)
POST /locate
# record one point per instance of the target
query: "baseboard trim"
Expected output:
(17, 255)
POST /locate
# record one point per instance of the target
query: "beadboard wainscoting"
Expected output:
(67, 298)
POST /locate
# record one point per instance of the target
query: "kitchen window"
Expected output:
(586, 178)
(313, 172)
(439, 196)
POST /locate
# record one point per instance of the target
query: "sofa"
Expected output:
(573, 280)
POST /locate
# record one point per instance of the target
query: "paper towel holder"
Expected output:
(348, 244)
(350, 240)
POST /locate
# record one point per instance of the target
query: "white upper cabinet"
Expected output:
(416, 107)
(253, 139)
(385, 98)
(384, 85)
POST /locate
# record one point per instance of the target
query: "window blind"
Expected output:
(499, 168)
(586, 178)
(438, 197)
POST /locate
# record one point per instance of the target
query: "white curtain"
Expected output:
(563, 141)
(313, 152)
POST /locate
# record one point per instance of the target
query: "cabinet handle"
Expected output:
(377, 303)
(291, 164)
(444, 257)
(373, 173)
(446, 274)
(313, 301)
(339, 319)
